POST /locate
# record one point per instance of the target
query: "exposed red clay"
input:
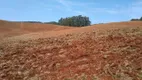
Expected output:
(100, 52)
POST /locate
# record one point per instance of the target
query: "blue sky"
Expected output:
(99, 11)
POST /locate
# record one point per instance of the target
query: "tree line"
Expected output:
(76, 21)
(137, 19)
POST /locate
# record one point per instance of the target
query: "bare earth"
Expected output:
(110, 51)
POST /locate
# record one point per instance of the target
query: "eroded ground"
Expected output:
(111, 55)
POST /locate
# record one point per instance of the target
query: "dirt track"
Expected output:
(101, 52)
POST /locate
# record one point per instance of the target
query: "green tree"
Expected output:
(134, 19)
(77, 21)
(141, 19)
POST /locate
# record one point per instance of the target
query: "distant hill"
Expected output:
(9, 28)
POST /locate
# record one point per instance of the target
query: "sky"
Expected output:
(99, 11)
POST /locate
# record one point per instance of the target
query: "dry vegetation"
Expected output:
(113, 54)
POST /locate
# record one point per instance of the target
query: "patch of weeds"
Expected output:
(122, 76)
(133, 31)
(68, 79)
(83, 77)
(117, 76)
(95, 78)
(140, 75)
(35, 78)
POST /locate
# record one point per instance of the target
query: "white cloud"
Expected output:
(80, 12)
(63, 2)
(69, 5)
(137, 3)
(136, 9)
(106, 10)
(133, 10)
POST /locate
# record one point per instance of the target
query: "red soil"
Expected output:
(100, 52)
(8, 28)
